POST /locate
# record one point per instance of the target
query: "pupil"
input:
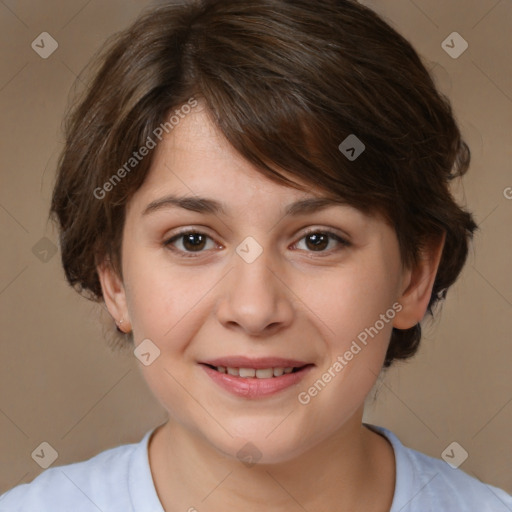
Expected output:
(189, 241)
(318, 240)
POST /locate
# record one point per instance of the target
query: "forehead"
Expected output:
(194, 159)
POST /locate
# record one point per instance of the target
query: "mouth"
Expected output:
(258, 373)
(255, 378)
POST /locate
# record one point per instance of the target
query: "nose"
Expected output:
(254, 297)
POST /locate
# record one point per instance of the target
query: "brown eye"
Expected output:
(191, 242)
(318, 241)
(194, 241)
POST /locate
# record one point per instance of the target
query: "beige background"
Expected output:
(60, 383)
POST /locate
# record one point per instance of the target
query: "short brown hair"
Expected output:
(286, 81)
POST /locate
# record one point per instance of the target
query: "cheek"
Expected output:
(352, 299)
(164, 299)
(354, 315)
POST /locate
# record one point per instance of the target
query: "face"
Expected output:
(253, 281)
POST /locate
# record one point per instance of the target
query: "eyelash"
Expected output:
(190, 254)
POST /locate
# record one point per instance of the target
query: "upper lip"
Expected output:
(260, 362)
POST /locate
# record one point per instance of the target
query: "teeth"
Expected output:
(260, 373)
(247, 372)
(264, 373)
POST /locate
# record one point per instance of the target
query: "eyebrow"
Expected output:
(211, 206)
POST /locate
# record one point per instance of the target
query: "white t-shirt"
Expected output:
(119, 480)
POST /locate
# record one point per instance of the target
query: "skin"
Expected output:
(292, 301)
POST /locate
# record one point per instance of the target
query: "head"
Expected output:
(249, 103)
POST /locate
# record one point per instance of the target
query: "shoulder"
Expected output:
(99, 483)
(429, 484)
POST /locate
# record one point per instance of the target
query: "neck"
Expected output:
(353, 469)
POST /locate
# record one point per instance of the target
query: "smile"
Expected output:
(256, 382)
(258, 373)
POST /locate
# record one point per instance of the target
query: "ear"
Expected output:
(114, 295)
(417, 285)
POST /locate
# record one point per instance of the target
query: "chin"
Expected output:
(255, 445)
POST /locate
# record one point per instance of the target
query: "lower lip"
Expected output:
(252, 387)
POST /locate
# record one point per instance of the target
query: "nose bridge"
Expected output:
(252, 267)
(255, 298)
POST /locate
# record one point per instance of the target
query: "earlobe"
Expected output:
(114, 296)
(419, 282)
